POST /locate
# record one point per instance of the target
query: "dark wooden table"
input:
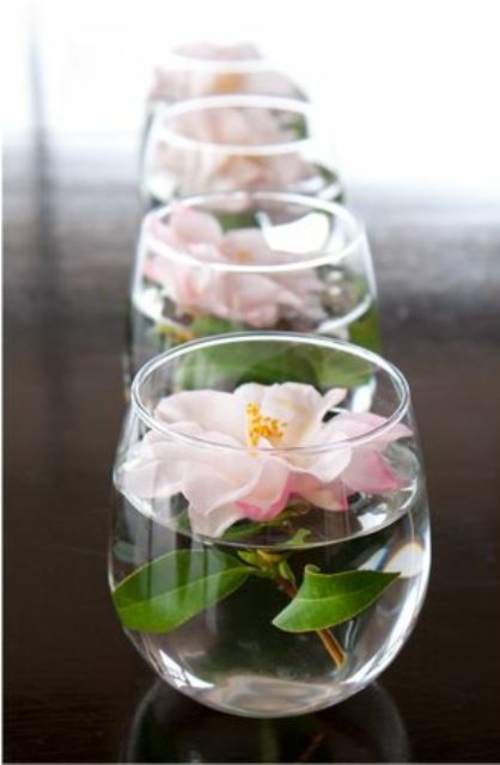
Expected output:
(74, 688)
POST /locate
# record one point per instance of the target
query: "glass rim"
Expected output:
(314, 260)
(169, 112)
(399, 381)
(257, 63)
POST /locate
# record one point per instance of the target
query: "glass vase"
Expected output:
(194, 70)
(270, 548)
(239, 261)
(236, 143)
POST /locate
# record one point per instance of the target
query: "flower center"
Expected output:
(228, 82)
(259, 426)
(237, 254)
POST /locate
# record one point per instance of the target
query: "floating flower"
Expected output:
(186, 77)
(199, 167)
(198, 283)
(247, 454)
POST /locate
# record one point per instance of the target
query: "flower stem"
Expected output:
(329, 641)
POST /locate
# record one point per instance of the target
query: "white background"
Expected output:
(410, 90)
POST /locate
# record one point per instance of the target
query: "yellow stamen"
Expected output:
(242, 256)
(229, 82)
(239, 255)
(260, 426)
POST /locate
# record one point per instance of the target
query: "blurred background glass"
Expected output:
(407, 89)
(197, 69)
(272, 261)
(237, 142)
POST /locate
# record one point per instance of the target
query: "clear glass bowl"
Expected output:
(236, 143)
(202, 69)
(270, 548)
(240, 261)
(195, 70)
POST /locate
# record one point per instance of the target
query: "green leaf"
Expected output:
(227, 366)
(332, 180)
(324, 600)
(171, 589)
(299, 538)
(235, 220)
(366, 331)
(234, 364)
(298, 124)
(212, 325)
(337, 368)
(245, 529)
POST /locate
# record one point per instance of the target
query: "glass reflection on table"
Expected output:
(169, 727)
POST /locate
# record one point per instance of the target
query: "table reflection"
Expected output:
(169, 727)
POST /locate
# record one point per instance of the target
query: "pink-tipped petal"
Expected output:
(356, 424)
(270, 495)
(368, 472)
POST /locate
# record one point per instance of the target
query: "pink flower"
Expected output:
(186, 77)
(197, 167)
(189, 275)
(235, 455)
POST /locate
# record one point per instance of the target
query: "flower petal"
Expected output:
(270, 493)
(246, 485)
(163, 233)
(324, 466)
(356, 424)
(369, 473)
(193, 226)
(258, 300)
(247, 246)
(215, 482)
(327, 496)
(212, 410)
(152, 471)
(215, 523)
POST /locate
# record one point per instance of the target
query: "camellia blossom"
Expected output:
(198, 168)
(195, 284)
(176, 81)
(247, 454)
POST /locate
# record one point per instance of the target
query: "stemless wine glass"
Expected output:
(239, 261)
(270, 550)
(203, 69)
(236, 142)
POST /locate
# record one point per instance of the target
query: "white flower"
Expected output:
(246, 454)
(195, 284)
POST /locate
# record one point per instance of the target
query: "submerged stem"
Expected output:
(330, 643)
